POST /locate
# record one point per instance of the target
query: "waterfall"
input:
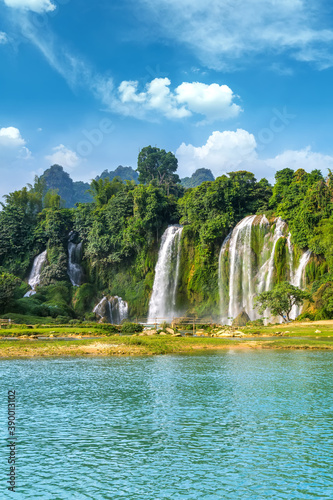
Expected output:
(113, 309)
(291, 259)
(246, 265)
(119, 309)
(74, 270)
(278, 233)
(298, 279)
(34, 277)
(162, 304)
(223, 292)
(240, 284)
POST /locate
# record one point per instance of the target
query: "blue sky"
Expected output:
(224, 85)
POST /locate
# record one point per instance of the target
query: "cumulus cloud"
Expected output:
(304, 158)
(10, 137)
(221, 32)
(228, 151)
(223, 152)
(12, 145)
(64, 157)
(38, 6)
(3, 38)
(214, 102)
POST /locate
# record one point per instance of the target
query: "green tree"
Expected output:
(156, 164)
(8, 284)
(322, 241)
(103, 190)
(281, 299)
(53, 199)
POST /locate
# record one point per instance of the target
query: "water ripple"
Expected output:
(251, 425)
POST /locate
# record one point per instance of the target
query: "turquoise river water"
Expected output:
(227, 425)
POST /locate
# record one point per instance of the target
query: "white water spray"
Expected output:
(244, 273)
(113, 309)
(162, 305)
(298, 280)
(34, 277)
(74, 270)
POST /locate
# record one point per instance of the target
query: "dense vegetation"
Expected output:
(124, 173)
(198, 177)
(121, 229)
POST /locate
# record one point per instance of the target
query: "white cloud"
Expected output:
(12, 146)
(228, 151)
(10, 137)
(64, 157)
(222, 153)
(221, 32)
(157, 98)
(304, 158)
(3, 38)
(38, 6)
(214, 102)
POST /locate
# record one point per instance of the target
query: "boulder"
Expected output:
(170, 330)
(241, 319)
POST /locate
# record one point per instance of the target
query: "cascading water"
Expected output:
(162, 305)
(240, 285)
(298, 279)
(278, 233)
(222, 277)
(247, 266)
(119, 309)
(291, 259)
(34, 277)
(113, 309)
(74, 270)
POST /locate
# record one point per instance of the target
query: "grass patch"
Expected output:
(294, 336)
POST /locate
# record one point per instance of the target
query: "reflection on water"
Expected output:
(233, 425)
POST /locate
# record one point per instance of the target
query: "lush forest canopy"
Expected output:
(120, 225)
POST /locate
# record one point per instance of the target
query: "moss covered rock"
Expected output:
(241, 319)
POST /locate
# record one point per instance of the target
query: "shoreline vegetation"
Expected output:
(20, 341)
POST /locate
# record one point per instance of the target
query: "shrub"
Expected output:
(131, 328)
(90, 317)
(62, 320)
(256, 322)
(110, 329)
(74, 322)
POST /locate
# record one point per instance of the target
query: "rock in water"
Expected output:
(241, 319)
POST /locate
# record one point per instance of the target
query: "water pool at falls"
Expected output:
(247, 265)
(234, 425)
(162, 305)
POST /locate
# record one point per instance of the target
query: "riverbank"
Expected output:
(69, 341)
